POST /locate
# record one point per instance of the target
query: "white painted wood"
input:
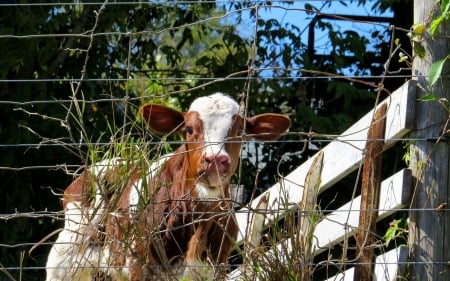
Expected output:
(341, 157)
(401, 112)
(388, 267)
(391, 266)
(394, 195)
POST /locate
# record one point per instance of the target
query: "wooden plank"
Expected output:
(389, 266)
(400, 115)
(395, 194)
(308, 207)
(392, 265)
(370, 195)
(342, 156)
(252, 242)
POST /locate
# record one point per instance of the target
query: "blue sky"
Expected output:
(293, 14)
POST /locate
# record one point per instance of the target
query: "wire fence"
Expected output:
(81, 141)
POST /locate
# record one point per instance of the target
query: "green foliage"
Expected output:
(432, 97)
(428, 97)
(445, 15)
(397, 229)
(407, 155)
(436, 70)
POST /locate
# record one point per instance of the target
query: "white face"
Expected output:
(216, 112)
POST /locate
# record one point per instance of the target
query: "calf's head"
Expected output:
(213, 130)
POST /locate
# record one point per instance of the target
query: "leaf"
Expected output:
(436, 70)
(216, 46)
(403, 58)
(187, 37)
(428, 97)
(445, 6)
(390, 235)
(435, 25)
(419, 29)
(308, 8)
(419, 49)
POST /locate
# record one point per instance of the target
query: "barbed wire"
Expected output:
(335, 263)
(119, 3)
(38, 145)
(302, 136)
(281, 78)
(60, 214)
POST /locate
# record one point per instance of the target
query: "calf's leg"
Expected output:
(195, 267)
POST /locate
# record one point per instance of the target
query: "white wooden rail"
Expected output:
(388, 266)
(341, 157)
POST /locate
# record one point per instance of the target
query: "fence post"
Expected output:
(429, 228)
(370, 197)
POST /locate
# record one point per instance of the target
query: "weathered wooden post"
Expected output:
(370, 196)
(429, 235)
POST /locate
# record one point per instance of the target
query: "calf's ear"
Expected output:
(268, 126)
(161, 119)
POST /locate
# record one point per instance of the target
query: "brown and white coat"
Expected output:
(128, 221)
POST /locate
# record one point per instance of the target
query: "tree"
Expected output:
(90, 45)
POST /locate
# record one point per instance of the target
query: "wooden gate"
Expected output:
(335, 161)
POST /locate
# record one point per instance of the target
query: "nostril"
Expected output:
(223, 160)
(210, 158)
(220, 162)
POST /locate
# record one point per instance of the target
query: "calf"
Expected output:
(125, 220)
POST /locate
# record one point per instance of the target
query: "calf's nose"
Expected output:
(217, 163)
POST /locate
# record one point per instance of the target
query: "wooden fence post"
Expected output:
(370, 196)
(429, 228)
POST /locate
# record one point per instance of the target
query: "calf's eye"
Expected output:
(189, 130)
